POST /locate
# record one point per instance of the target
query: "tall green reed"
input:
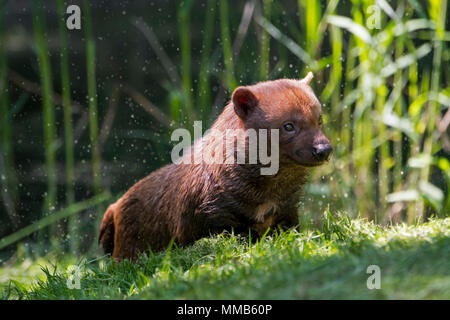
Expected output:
(48, 115)
(230, 80)
(73, 223)
(92, 97)
(310, 20)
(204, 92)
(184, 9)
(265, 44)
(6, 129)
(437, 12)
(48, 111)
(393, 133)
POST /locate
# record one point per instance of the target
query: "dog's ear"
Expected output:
(244, 101)
(307, 79)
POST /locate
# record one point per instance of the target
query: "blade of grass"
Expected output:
(50, 219)
(168, 65)
(398, 109)
(292, 46)
(351, 25)
(246, 18)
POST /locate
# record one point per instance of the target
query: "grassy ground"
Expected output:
(327, 264)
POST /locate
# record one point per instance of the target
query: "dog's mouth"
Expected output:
(312, 164)
(305, 161)
(307, 164)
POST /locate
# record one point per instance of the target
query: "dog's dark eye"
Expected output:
(289, 127)
(320, 121)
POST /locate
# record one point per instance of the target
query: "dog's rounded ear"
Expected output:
(307, 79)
(244, 101)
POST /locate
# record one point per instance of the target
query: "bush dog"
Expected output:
(186, 202)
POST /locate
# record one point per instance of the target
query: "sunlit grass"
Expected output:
(327, 264)
(384, 92)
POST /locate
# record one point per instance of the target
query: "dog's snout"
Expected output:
(322, 151)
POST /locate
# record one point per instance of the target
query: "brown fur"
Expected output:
(186, 202)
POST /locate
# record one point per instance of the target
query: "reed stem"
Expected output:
(47, 105)
(6, 132)
(185, 42)
(73, 223)
(265, 43)
(204, 91)
(226, 45)
(92, 97)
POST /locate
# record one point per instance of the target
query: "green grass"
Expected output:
(330, 263)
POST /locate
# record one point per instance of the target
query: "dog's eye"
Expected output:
(289, 127)
(320, 121)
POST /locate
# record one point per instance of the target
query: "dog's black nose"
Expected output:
(322, 151)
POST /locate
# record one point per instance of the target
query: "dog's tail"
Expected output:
(106, 236)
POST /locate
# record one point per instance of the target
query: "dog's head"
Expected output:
(292, 107)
